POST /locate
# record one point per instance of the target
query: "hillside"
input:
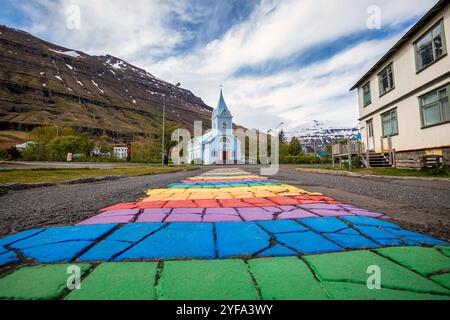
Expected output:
(42, 83)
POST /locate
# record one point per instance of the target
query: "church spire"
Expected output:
(222, 108)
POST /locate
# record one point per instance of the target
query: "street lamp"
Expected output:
(163, 140)
(163, 151)
(270, 130)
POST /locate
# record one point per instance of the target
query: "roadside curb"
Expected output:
(362, 175)
(4, 188)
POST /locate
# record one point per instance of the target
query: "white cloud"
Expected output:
(125, 29)
(315, 92)
(141, 32)
(276, 31)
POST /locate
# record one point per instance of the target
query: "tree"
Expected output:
(104, 146)
(41, 137)
(295, 147)
(86, 144)
(10, 154)
(168, 143)
(282, 137)
(59, 147)
(148, 151)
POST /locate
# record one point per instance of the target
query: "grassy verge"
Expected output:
(59, 175)
(386, 171)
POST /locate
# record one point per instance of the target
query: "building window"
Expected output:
(430, 47)
(367, 95)
(434, 106)
(390, 124)
(386, 80)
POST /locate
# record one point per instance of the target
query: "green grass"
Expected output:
(59, 175)
(385, 171)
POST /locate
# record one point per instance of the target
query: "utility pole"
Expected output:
(163, 151)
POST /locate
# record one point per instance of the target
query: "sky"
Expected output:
(290, 61)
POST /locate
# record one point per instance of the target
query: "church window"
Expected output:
(224, 125)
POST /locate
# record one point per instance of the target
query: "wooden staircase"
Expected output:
(379, 160)
(343, 152)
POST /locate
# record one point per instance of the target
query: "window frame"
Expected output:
(365, 104)
(380, 82)
(370, 133)
(425, 34)
(393, 110)
(422, 106)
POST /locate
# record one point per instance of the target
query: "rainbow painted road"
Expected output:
(227, 234)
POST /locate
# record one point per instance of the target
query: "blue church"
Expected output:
(219, 145)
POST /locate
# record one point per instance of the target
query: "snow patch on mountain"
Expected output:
(321, 138)
(96, 84)
(69, 53)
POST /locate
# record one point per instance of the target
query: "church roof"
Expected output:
(222, 109)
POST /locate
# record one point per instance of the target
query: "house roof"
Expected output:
(430, 15)
(222, 109)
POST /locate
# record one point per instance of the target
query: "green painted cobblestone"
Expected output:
(352, 266)
(43, 282)
(423, 260)
(286, 279)
(445, 250)
(119, 281)
(443, 279)
(354, 291)
(206, 280)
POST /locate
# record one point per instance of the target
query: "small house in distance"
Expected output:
(404, 97)
(121, 151)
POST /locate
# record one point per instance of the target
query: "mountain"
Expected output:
(319, 139)
(42, 83)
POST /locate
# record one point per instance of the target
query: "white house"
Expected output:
(403, 98)
(121, 152)
(219, 145)
(24, 145)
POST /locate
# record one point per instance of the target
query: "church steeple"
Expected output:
(222, 109)
(222, 120)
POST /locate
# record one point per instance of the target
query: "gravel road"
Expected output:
(419, 205)
(68, 204)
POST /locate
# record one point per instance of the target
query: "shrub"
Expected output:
(302, 159)
(3, 154)
(10, 154)
(437, 171)
(60, 147)
(51, 143)
(356, 162)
